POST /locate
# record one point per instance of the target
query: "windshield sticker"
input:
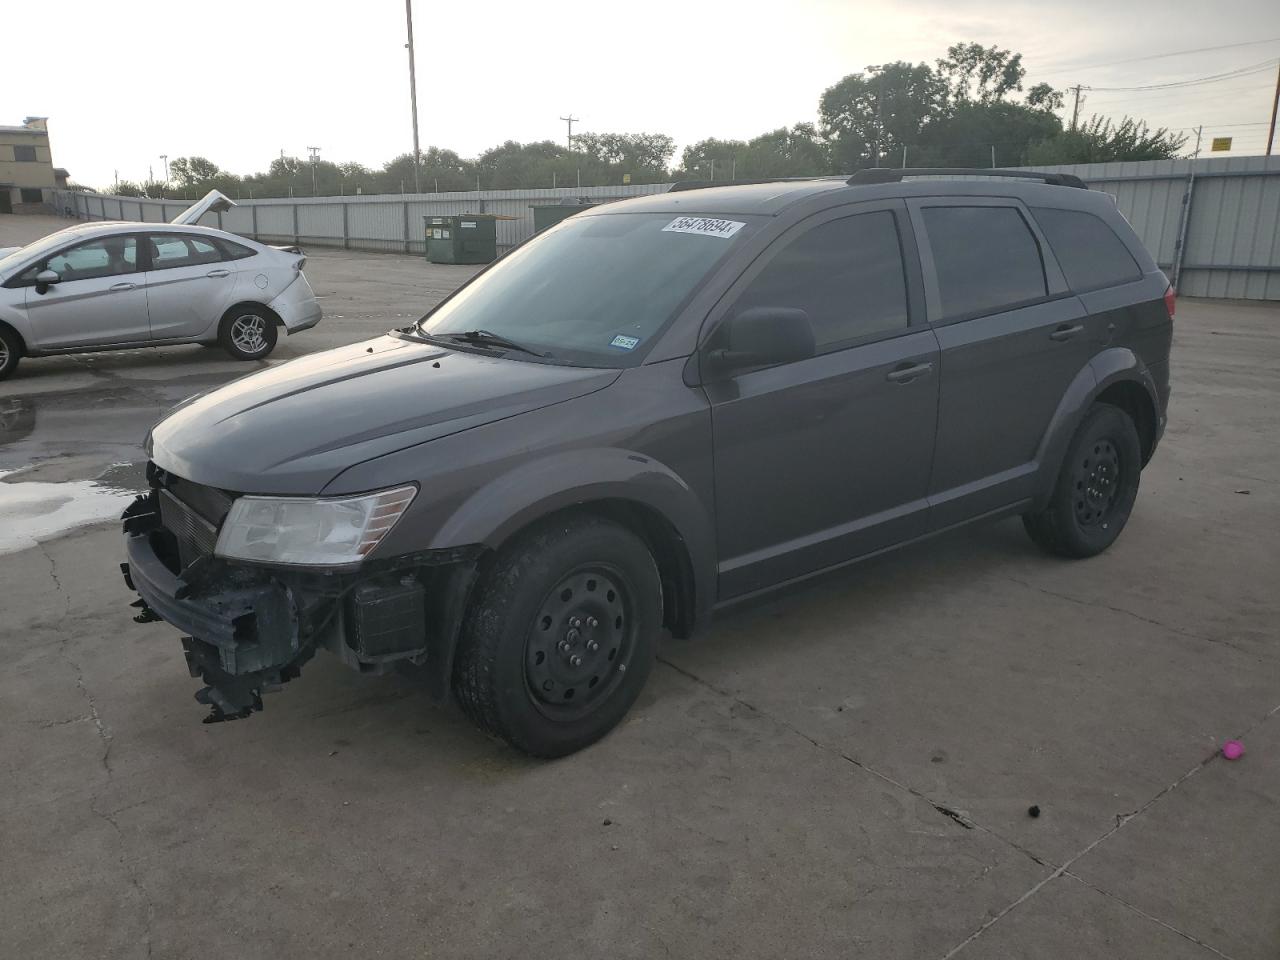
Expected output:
(625, 343)
(706, 226)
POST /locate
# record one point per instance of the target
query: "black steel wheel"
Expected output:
(1096, 488)
(560, 636)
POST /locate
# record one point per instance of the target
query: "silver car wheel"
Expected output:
(246, 333)
(4, 354)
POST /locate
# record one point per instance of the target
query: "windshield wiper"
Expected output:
(487, 338)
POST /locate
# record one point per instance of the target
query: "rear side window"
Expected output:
(987, 259)
(233, 251)
(169, 250)
(846, 274)
(1089, 252)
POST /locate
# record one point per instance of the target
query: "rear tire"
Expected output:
(561, 636)
(1096, 487)
(10, 352)
(248, 333)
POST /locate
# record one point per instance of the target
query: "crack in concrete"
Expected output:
(948, 812)
(1056, 871)
(1146, 916)
(107, 738)
(1129, 613)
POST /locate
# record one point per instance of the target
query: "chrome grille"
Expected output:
(196, 536)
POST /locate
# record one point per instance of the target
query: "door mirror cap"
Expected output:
(761, 337)
(46, 279)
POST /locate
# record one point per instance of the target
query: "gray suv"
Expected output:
(655, 409)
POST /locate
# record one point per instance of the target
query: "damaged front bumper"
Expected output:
(249, 628)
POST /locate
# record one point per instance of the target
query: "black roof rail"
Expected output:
(681, 185)
(890, 175)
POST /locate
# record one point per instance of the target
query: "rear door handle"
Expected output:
(908, 373)
(116, 287)
(1065, 332)
(218, 273)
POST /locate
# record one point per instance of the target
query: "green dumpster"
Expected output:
(470, 238)
(549, 214)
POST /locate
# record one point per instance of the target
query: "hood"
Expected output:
(293, 428)
(212, 202)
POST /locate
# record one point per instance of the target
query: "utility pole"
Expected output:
(315, 155)
(904, 156)
(413, 95)
(1199, 132)
(993, 156)
(713, 169)
(1275, 103)
(570, 120)
(1075, 110)
(165, 158)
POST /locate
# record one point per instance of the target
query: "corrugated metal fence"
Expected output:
(383, 223)
(1214, 224)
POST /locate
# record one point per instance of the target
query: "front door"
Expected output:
(188, 285)
(1012, 337)
(825, 459)
(99, 300)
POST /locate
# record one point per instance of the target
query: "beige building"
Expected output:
(27, 176)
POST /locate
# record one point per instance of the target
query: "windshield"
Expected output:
(594, 290)
(45, 244)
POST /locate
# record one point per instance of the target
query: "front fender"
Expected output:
(1104, 369)
(536, 489)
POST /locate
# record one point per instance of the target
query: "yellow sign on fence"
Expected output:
(1221, 143)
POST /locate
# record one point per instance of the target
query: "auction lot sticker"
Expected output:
(706, 226)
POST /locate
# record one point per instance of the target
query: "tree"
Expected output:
(127, 188)
(189, 171)
(872, 115)
(643, 155)
(966, 136)
(1102, 141)
(712, 158)
(797, 152)
(977, 74)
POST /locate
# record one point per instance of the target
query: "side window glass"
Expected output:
(1090, 253)
(233, 251)
(103, 257)
(847, 274)
(987, 259)
(169, 250)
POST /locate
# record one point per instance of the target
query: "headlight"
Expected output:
(329, 532)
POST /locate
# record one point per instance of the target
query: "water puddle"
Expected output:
(32, 511)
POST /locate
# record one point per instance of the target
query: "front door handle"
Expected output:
(117, 287)
(1066, 332)
(908, 373)
(218, 273)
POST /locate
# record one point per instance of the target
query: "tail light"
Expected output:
(1170, 301)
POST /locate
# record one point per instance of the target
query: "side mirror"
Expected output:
(761, 337)
(46, 279)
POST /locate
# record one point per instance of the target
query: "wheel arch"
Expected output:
(1117, 376)
(257, 304)
(17, 335)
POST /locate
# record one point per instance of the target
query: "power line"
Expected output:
(1162, 56)
(1177, 84)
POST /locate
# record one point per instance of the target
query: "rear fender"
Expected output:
(1106, 368)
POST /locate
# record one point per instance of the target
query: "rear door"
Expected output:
(99, 298)
(188, 284)
(827, 458)
(1012, 339)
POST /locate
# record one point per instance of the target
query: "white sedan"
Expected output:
(114, 286)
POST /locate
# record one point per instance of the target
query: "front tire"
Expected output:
(561, 636)
(10, 352)
(248, 333)
(1096, 488)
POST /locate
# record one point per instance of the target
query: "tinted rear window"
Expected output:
(1090, 253)
(987, 259)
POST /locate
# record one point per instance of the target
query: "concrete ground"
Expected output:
(845, 770)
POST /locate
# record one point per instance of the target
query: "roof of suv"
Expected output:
(771, 198)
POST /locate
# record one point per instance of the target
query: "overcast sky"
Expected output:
(240, 80)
